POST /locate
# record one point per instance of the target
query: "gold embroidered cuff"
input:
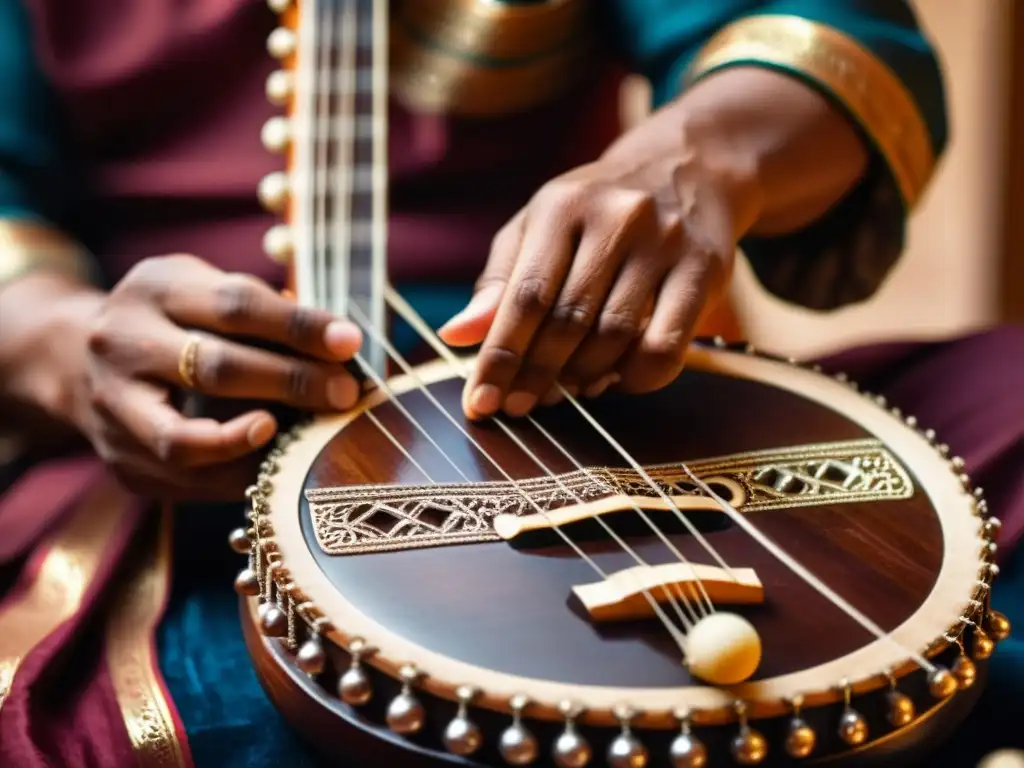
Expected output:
(28, 246)
(874, 95)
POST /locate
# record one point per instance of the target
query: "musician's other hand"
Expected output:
(178, 316)
(600, 280)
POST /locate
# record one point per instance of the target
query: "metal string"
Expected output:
(331, 274)
(427, 334)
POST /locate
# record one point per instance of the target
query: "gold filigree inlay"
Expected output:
(375, 518)
(133, 667)
(865, 84)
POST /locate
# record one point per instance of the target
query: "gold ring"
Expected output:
(187, 360)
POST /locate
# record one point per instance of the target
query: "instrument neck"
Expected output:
(340, 165)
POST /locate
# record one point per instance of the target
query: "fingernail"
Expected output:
(480, 303)
(553, 396)
(598, 387)
(342, 392)
(485, 399)
(342, 339)
(261, 432)
(519, 404)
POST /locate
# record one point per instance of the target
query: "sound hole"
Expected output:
(509, 608)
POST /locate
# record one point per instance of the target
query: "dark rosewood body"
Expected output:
(510, 608)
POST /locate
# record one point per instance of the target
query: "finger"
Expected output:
(227, 369)
(586, 287)
(221, 482)
(470, 326)
(540, 267)
(657, 358)
(143, 411)
(242, 305)
(622, 319)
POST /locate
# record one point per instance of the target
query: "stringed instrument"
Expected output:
(757, 565)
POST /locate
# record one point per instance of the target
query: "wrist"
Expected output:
(691, 138)
(44, 322)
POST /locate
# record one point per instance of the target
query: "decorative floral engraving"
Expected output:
(375, 518)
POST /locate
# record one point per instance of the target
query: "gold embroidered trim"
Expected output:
(473, 58)
(73, 555)
(133, 665)
(865, 84)
(26, 246)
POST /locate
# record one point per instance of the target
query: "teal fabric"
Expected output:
(34, 163)
(661, 38)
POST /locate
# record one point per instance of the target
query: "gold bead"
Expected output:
(853, 728)
(901, 709)
(965, 672)
(942, 684)
(801, 738)
(998, 626)
(273, 621)
(238, 540)
(982, 646)
(749, 747)
(247, 583)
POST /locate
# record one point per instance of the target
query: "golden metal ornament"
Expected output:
(942, 683)
(801, 739)
(749, 747)
(965, 672)
(982, 646)
(853, 728)
(901, 711)
(998, 626)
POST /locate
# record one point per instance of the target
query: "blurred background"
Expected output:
(964, 265)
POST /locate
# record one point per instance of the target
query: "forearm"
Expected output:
(787, 154)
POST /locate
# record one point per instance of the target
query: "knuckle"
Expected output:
(166, 442)
(564, 193)
(574, 317)
(235, 301)
(532, 296)
(101, 336)
(499, 357)
(298, 381)
(619, 325)
(303, 325)
(215, 367)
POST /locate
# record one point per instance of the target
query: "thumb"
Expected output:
(470, 326)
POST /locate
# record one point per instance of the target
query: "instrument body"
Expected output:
(904, 543)
(409, 600)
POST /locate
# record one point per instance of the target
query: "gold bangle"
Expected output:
(28, 246)
(872, 93)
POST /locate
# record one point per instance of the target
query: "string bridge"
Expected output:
(510, 526)
(621, 597)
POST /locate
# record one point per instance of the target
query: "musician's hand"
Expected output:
(135, 340)
(600, 280)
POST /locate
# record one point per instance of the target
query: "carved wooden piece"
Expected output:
(620, 597)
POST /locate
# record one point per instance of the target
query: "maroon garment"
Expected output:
(61, 709)
(166, 100)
